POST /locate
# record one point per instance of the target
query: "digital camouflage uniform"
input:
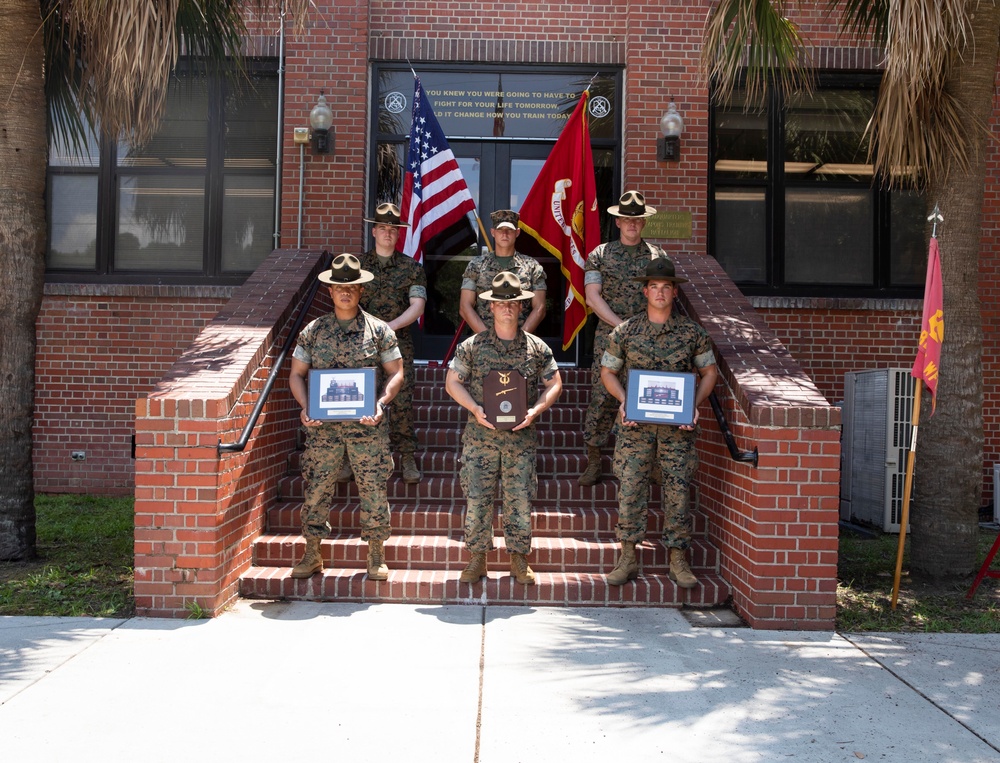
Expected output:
(491, 457)
(679, 345)
(611, 266)
(481, 271)
(397, 280)
(367, 342)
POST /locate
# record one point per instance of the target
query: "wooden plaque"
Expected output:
(505, 398)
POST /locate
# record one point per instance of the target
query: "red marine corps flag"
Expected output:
(559, 214)
(928, 358)
(925, 368)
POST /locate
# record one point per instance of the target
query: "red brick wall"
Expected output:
(197, 511)
(328, 57)
(989, 295)
(775, 524)
(831, 337)
(99, 349)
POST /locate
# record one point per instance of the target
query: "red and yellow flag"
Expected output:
(928, 360)
(559, 214)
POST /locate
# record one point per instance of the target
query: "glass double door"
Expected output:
(499, 176)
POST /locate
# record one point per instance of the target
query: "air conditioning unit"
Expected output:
(875, 440)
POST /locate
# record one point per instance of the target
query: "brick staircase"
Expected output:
(573, 543)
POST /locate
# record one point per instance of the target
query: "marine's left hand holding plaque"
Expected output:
(505, 398)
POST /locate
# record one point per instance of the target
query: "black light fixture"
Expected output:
(668, 145)
(320, 120)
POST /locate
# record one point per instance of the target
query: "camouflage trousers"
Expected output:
(491, 458)
(368, 450)
(401, 433)
(635, 449)
(603, 407)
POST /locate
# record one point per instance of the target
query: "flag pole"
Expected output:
(920, 373)
(907, 487)
(483, 231)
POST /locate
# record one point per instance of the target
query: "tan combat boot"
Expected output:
(377, 568)
(346, 473)
(411, 474)
(312, 560)
(627, 568)
(680, 571)
(592, 474)
(475, 569)
(520, 570)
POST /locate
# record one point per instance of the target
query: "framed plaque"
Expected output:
(660, 397)
(505, 398)
(341, 394)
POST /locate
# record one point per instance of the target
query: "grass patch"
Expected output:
(866, 567)
(84, 564)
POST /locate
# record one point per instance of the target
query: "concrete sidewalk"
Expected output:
(303, 682)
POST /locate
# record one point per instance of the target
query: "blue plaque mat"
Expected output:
(660, 397)
(341, 394)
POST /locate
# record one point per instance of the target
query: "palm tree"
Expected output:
(107, 65)
(933, 108)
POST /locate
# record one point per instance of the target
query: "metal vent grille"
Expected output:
(876, 436)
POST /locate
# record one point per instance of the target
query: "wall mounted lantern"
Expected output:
(320, 120)
(668, 145)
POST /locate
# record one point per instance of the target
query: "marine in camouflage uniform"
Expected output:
(656, 339)
(481, 271)
(397, 293)
(490, 456)
(346, 338)
(609, 282)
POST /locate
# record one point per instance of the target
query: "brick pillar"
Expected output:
(197, 511)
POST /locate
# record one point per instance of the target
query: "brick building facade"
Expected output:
(111, 341)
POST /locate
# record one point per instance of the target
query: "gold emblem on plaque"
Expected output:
(504, 377)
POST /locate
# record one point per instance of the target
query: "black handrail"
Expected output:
(240, 444)
(742, 456)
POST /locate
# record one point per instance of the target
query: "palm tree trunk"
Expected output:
(23, 160)
(948, 473)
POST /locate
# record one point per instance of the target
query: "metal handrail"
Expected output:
(742, 456)
(241, 443)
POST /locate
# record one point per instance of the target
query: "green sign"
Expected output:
(668, 225)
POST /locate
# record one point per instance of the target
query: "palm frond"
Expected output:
(864, 19)
(751, 43)
(109, 61)
(917, 123)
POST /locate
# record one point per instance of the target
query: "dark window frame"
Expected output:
(775, 187)
(215, 172)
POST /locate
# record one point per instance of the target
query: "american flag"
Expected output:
(435, 199)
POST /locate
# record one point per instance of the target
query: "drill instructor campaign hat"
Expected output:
(660, 269)
(506, 288)
(387, 214)
(346, 270)
(631, 204)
